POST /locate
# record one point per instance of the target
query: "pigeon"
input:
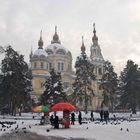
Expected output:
(121, 129)
(48, 130)
(127, 130)
(87, 127)
(16, 127)
(29, 126)
(24, 128)
(22, 122)
(3, 126)
(25, 131)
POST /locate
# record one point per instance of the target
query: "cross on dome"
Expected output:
(83, 48)
(40, 42)
(94, 38)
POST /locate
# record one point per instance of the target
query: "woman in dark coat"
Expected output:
(101, 115)
(56, 122)
(80, 118)
(72, 118)
(92, 116)
(106, 116)
(52, 120)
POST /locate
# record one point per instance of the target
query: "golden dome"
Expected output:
(55, 37)
(94, 38)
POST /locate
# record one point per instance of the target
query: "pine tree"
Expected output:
(54, 92)
(16, 83)
(82, 90)
(130, 86)
(109, 84)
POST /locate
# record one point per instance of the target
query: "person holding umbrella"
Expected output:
(66, 108)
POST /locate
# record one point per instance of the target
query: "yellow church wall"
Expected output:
(94, 100)
(40, 72)
(37, 85)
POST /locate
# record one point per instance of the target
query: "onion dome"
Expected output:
(83, 48)
(31, 54)
(94, 38)
(40, 52)
(56, 47)
(55, 37)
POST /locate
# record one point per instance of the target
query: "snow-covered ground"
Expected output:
(124, 130)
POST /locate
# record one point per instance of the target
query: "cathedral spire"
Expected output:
(83, 48)
(94, 31)
(55, 37)
(55, 29)
(40, 42)
(94, 38)
(31, 54)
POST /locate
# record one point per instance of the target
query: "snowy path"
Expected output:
(90, 130)
(33, 136)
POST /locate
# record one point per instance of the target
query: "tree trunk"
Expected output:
(85, 101)
(112, 107)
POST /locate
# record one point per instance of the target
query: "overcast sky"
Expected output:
(117, 26)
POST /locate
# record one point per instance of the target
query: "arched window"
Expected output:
(49, 51)
(60, 51)
(60, 66)
(35, 65)
(42, 84)
(65, 84)
(50, 66)
(47, 67)
(100, 71)
(42, 65)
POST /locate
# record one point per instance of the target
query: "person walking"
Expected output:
(92, 116)
(42, 121)
(106, 116)
(80, 118)
(101, 115)
(72, 118)
(52, 120)
(56, 122)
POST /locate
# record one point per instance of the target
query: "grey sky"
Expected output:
(117, 25)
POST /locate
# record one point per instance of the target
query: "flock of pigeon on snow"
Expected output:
(15, 128)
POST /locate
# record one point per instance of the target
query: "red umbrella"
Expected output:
(62, 107)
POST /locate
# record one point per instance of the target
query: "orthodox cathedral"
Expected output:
(56, 56)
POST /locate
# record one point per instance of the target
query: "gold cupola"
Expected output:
(94, 38)
(55, 37)
(83, 48)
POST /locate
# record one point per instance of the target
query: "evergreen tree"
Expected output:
(109, 84)
(16, 83)
(82, 90)
(130, 86)
(54, 92)
(1, 92)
